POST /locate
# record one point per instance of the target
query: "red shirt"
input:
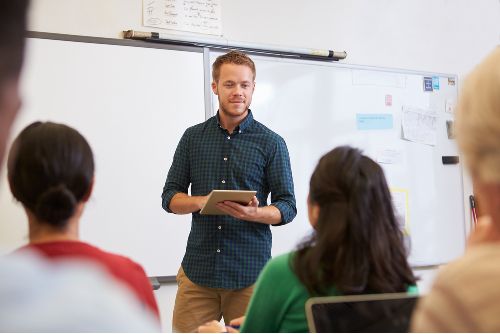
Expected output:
(121, 267)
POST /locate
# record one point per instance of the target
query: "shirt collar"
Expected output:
(244, 125)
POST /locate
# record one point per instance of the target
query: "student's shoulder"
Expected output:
(125, 261)
(462, 287)
(477, 258)
(279, 266)
(118, 260)
(478, 264)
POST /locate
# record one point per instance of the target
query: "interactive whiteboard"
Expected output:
(316, 106)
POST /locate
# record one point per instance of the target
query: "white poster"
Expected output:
(419, 125)
(199, 16)
(390, 156)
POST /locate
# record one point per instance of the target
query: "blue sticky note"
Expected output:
(373, 121)
(435, 83)
(427, 84)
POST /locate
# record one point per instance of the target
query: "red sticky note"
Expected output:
(388, 100)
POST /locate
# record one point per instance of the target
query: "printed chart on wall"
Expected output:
(399, 119)
(198, 16)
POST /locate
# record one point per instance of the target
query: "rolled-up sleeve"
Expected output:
(279, 175)
(178, 176)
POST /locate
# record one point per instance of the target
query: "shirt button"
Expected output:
(223, 181)
(220, 227)
(225, 159)
(218, 251)
(228, 137)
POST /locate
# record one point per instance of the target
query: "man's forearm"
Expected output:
(268, 215)
(182, 203)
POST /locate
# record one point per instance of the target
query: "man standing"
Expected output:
(231, 150)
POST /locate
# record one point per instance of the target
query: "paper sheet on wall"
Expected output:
(400, 203)
(200, 16)
(390, 156)
(419, 125)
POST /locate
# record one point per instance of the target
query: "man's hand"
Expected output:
(215, 326)
(212, 327)
(235, 323)
(252, 212)
(243, 212)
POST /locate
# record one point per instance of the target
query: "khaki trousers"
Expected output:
(195, 304)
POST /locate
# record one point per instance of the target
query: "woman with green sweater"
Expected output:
(356, 247)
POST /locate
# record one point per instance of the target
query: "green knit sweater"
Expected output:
(279, 298)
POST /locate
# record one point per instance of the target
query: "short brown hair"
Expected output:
(233, 57)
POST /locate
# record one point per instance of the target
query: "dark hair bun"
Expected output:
(56, 205)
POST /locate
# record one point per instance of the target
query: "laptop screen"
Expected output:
(361, 313)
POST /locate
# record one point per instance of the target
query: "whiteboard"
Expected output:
(132, 104)
(313, 106)
(133, 100)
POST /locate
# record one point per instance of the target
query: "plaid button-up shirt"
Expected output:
(222, 251)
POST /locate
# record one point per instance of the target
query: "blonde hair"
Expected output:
(478, 119)
(233, 57)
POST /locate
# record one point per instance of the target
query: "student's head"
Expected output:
(233, 82)
(13, 29)
(478, 132)
(50, 171)
(357, 245)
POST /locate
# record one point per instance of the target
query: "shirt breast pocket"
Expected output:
(204, 166)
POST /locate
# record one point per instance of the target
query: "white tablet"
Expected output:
(240, 196)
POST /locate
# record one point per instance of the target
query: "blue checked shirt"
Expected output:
(222, 251)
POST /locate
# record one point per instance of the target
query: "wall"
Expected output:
(432, 35)
(448, 36)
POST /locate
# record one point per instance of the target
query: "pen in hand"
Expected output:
(233, 328)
